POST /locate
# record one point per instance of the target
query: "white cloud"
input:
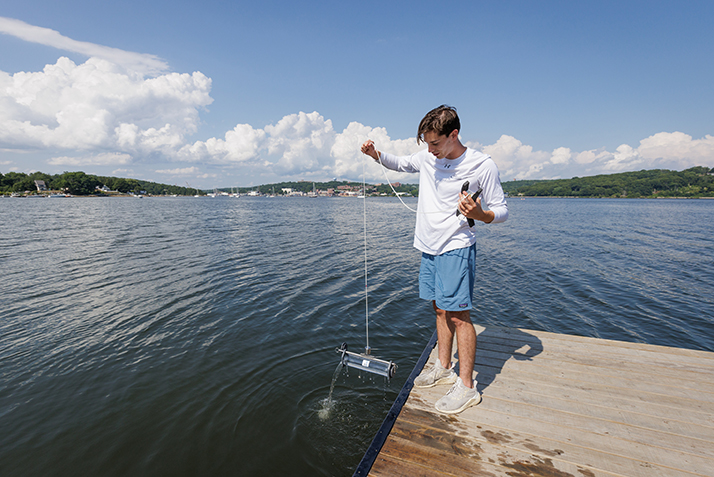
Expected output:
(348, 160)
(297, 143)
(561, 155)
(588, 157)
(123, 172)
(662, 150)
(677, 148)
(102, 159)
(96, 105)
(514, 159)
(137, 62)
(241, 144)
(302, 143)
(624, 158)
(185, 171)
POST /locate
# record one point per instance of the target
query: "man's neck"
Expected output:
(458, 152)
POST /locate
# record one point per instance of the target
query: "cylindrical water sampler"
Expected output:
(366, 362)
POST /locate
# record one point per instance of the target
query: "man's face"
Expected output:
(441, 146)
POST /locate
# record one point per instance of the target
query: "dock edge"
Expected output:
(375, 447)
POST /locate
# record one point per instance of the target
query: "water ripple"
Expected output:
(195, 336)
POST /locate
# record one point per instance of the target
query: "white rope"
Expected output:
(384, 170)
(366, 290)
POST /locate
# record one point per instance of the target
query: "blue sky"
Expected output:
(221, 94)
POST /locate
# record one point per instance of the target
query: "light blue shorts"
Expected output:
(448, 278)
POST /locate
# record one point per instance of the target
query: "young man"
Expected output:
(448, 243)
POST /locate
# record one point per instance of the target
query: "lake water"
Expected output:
(184, 336)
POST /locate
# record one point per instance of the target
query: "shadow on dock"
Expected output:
(495, 346)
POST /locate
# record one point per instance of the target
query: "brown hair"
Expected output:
(442, 120)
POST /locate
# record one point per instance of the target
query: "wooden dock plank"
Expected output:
(663, 356)
(531, 336)
(559, 405)
(595, 392)
(637, 420)
(640, 363)
(633, 367)
(610, 436)
(497, 446)
(486, 463)
(645, 379)
(630, 406)
(686, 385)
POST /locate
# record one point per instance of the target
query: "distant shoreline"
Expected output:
(597, 197)
(129, 196)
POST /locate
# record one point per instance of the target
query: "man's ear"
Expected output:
(454, 134)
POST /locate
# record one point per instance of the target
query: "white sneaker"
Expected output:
(458, 398)
(436, 375)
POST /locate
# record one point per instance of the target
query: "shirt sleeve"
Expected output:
(400, 163)
(492, 194)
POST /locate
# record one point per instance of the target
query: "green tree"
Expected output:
(78, 183)
(124, 185)
(8, 181)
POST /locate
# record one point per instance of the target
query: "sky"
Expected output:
(234, 93)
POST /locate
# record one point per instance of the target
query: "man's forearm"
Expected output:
(486, 216)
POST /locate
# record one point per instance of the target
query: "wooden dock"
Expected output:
(559, 405)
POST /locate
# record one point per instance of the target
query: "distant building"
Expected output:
(41, 186)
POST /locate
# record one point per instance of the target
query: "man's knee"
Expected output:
(453, 318)
(459, 318)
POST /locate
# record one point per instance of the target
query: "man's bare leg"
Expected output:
(449, 323)
(445, 336)
(466, 341)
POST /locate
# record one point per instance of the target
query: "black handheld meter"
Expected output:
(464, 188)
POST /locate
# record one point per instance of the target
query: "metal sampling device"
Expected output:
(365, 361)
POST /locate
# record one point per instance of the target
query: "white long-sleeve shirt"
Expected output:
(438, 229)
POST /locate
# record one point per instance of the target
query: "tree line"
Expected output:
(307, 186)
(694, 182)
(79, 183)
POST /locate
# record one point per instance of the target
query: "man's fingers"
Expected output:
(367, 146)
